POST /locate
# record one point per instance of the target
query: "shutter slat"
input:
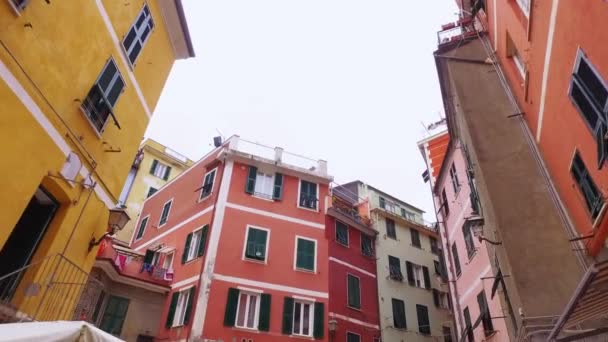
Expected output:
(167, 173)
(277, 193)
(427, 278)
(264, 320)
(186, 248)
(410, 273)
(203, 241)
(436, 297)
(231, 304)
(171, 313)
(250, 183)
(153, 167)
(287, 328)
(319, 321)
(189, 306)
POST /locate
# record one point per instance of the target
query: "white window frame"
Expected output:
(147, 219)
(347, 234)
(180, 308)
(256, 317)
(214, 172)
(519, 63)
(137, 36)
(245, 244)
(157, 167)
(348, 294)
(352, 333)
(168, 213)
(299, 193)
(194, 245)
(311, 317)
(524, 5)
(418, 272)
(16, 8)
(170, 265)
(260, 175)
(295, 254)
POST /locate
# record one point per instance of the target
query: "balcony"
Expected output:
(122, 262)
(456, 31)
(343, 210)
(423, 226)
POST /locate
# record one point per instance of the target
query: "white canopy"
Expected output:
(59, 331)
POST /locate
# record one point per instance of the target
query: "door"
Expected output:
(25, 238)
(114, 315)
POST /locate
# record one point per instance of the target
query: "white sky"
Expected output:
(348, 81)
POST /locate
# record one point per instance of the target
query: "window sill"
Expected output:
(255, 261)
(417, 247)
(342, 244)
(303, 270)
(305, 337)
(354, 308)
(202, 199)
(190, 261)
(315, 210)
(161, 225)
(472, 256)
(267, 199)
(95, 130)
(245, 329)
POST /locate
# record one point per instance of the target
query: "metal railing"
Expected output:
(349, 211)
(53, 288)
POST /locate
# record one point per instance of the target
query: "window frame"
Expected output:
(147, 20)
(418, 272)
(260, 175)
(247, 230)
(203, 195)
(434, 243)
(158, 166)
(348, 304)
(108, 299)
(595, 211)
(139, 227)
(350, 334)
(402, 303)
(445, 206)
(170, 266)
(469, 242)
(428, 318)
(392, 275)
(454, 178)
(148, 195)
(311, 316)
(194, 249)
(256, 317)
(180, 312)
(456, 260)
(160, 220)
(317, 205)
(343, 243)
(414, 232)
(18, 8)
(525, 9)
(295, 255)
(371, 240)
(394, 228)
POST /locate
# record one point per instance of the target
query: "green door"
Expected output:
(114, 315)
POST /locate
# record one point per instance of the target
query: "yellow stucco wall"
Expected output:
(144, 180)
(50, 56)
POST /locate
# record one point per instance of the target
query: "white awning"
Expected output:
(58, 331)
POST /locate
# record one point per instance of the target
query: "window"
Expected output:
(180, 308)
(342, 233)
(390, 228)
(586, 185)
(114, 315)
(265, 185)
(306, 254)
(447, 334)
(437, 267)
(195, 244)
(99, 103)
(434, 245)
(415, 235)
(168, 261)
(302, 318)
(399, 321)
(151, 192)
(484, 311)
(382, 203)
(160, 170)
(468, 239)
(403, 213)
(394, 266)
(445, 205)
(456, 259)
(589, 93)
(352, 337)
(454, 177)
(418, 275)
(165, 213)
(440, 299)
(387, 205)
(18, 5)
(142, 228)
(256, 245)
(354, 291)
(468, 327)
(138, 35)
(367, 245)
(525, 6)
(424, 326)
(308, 195)
(513, 53)
(208, 184)
(248, 310)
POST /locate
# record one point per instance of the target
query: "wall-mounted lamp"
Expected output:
(117, 221)
(332, 325)
(478, 232)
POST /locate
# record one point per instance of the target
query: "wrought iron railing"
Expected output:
(53, 288)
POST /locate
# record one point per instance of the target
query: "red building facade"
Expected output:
(353, 288)
(242, 233)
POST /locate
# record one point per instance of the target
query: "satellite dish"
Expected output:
(217, 141)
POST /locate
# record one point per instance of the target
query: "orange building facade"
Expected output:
(242, 236)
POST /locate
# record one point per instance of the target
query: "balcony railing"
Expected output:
(349, 211)
(50, 289)
(456, 31)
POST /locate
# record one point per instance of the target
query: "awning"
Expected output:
(67, 331)
(589, 303)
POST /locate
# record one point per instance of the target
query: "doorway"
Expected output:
(25, 238)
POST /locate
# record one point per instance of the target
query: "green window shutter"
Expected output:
(264, 320)
(231, 304)
(153, 167)
(189, 306)
(277, 193)
(148, 257)
(256, 244)
(305, 256)
(436, 297)
(250, 184)
(167, 173)
(409, 267)
(287, 316)
(354, 294)
(427, 278)
(169, 321)
(203, 242)
(319, 323)
(186, 248)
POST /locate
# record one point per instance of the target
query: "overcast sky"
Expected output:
(348, 81)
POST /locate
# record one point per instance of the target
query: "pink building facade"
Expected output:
(478, 311)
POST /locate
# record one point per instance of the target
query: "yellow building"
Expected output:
(154, 166)
(79, 81)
